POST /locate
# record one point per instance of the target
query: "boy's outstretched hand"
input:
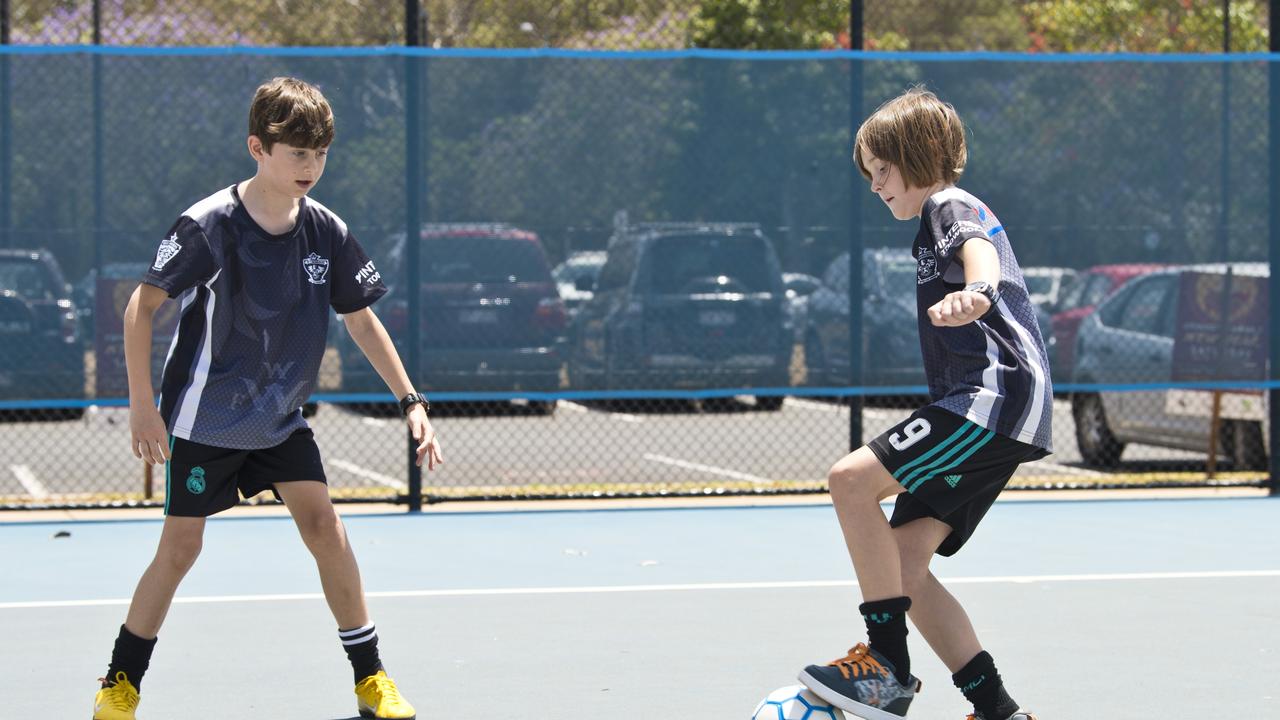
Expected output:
(959, 308)
(425, 436)
(149, 436)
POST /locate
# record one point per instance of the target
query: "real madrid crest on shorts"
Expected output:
(926, 266)
(169, 247)
(317, 268)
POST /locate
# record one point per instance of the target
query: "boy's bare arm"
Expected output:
(372, 338)
(981, 263)
(150, 438)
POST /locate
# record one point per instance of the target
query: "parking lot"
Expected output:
(584, 448)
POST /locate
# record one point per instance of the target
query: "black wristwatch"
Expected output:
(412, 399)
(986, 290)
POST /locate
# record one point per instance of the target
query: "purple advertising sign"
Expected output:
(1208, 346)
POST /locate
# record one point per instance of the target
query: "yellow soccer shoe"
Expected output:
(116, 701)
(379, 698)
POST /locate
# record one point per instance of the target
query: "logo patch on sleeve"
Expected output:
(169, 248)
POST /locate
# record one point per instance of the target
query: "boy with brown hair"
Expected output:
(257, 266)
(991, 404)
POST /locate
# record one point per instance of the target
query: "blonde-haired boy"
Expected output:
(990, 409)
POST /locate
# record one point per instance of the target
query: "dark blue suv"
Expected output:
(685, 305)
(41, 353)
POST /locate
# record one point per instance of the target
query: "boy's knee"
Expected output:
(180, 553)
(846, 482)
(322, 529)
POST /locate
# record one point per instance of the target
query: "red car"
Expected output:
(1090, 287)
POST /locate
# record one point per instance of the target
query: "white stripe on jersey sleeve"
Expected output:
(188, 297)
(185, 421)
(1026, 432)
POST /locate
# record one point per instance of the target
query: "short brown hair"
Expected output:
(290, 111)
(919, 134)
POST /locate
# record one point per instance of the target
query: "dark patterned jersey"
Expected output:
(254, 317)
(993, 371)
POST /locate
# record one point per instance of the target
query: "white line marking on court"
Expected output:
(35, 488)
(355, 469)
(579, 408)
(723, 472)
(815, 405)
(689, 587)
(1068, 469)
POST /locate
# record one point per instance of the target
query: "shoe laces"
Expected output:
(387, 689)
(859, 662)
(121, 694)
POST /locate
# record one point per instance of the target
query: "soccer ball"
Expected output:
(795, 702)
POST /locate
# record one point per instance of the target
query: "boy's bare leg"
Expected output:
(180, 543)
(858, 483)
(934, 610)
(326, 538)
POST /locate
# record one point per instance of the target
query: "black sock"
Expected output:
(131, 656)
(361, 645)
(982, 686)
(887, 632)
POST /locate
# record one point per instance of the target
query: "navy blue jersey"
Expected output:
(254, 318)
(993, 371)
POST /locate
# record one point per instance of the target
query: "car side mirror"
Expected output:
(584, 284)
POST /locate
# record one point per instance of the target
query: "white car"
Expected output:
(1130, 340)
(1045, 284)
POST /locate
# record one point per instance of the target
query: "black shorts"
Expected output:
(201, 480)
(952, 470)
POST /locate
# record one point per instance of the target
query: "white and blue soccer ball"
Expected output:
(795, 702)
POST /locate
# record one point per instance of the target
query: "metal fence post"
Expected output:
(413, 225)
(855, 229)
(6, 122)
(1273, 253)
(96, 233)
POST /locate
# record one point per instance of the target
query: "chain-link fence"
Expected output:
(631, 271)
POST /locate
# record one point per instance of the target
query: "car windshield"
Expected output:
(483, 259)
(572, 272)
(1039, 284)
(686, 264)
(25, 278)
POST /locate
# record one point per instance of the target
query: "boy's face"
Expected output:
(887, 182)
(289, 170)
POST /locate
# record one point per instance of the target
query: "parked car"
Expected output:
(1090, 287)
(890, 339)
(798, 287)
(685, 305)
(576, 278)
(491, 319)
(41, 354)
(1045, 284)
(1130, 339)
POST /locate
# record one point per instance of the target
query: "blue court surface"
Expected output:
(1092, 609)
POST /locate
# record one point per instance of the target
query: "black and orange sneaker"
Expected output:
(1020, 715)
(862, 683)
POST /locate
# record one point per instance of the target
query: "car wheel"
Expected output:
(769, 403)
(1244, 443)
(1098, 446)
